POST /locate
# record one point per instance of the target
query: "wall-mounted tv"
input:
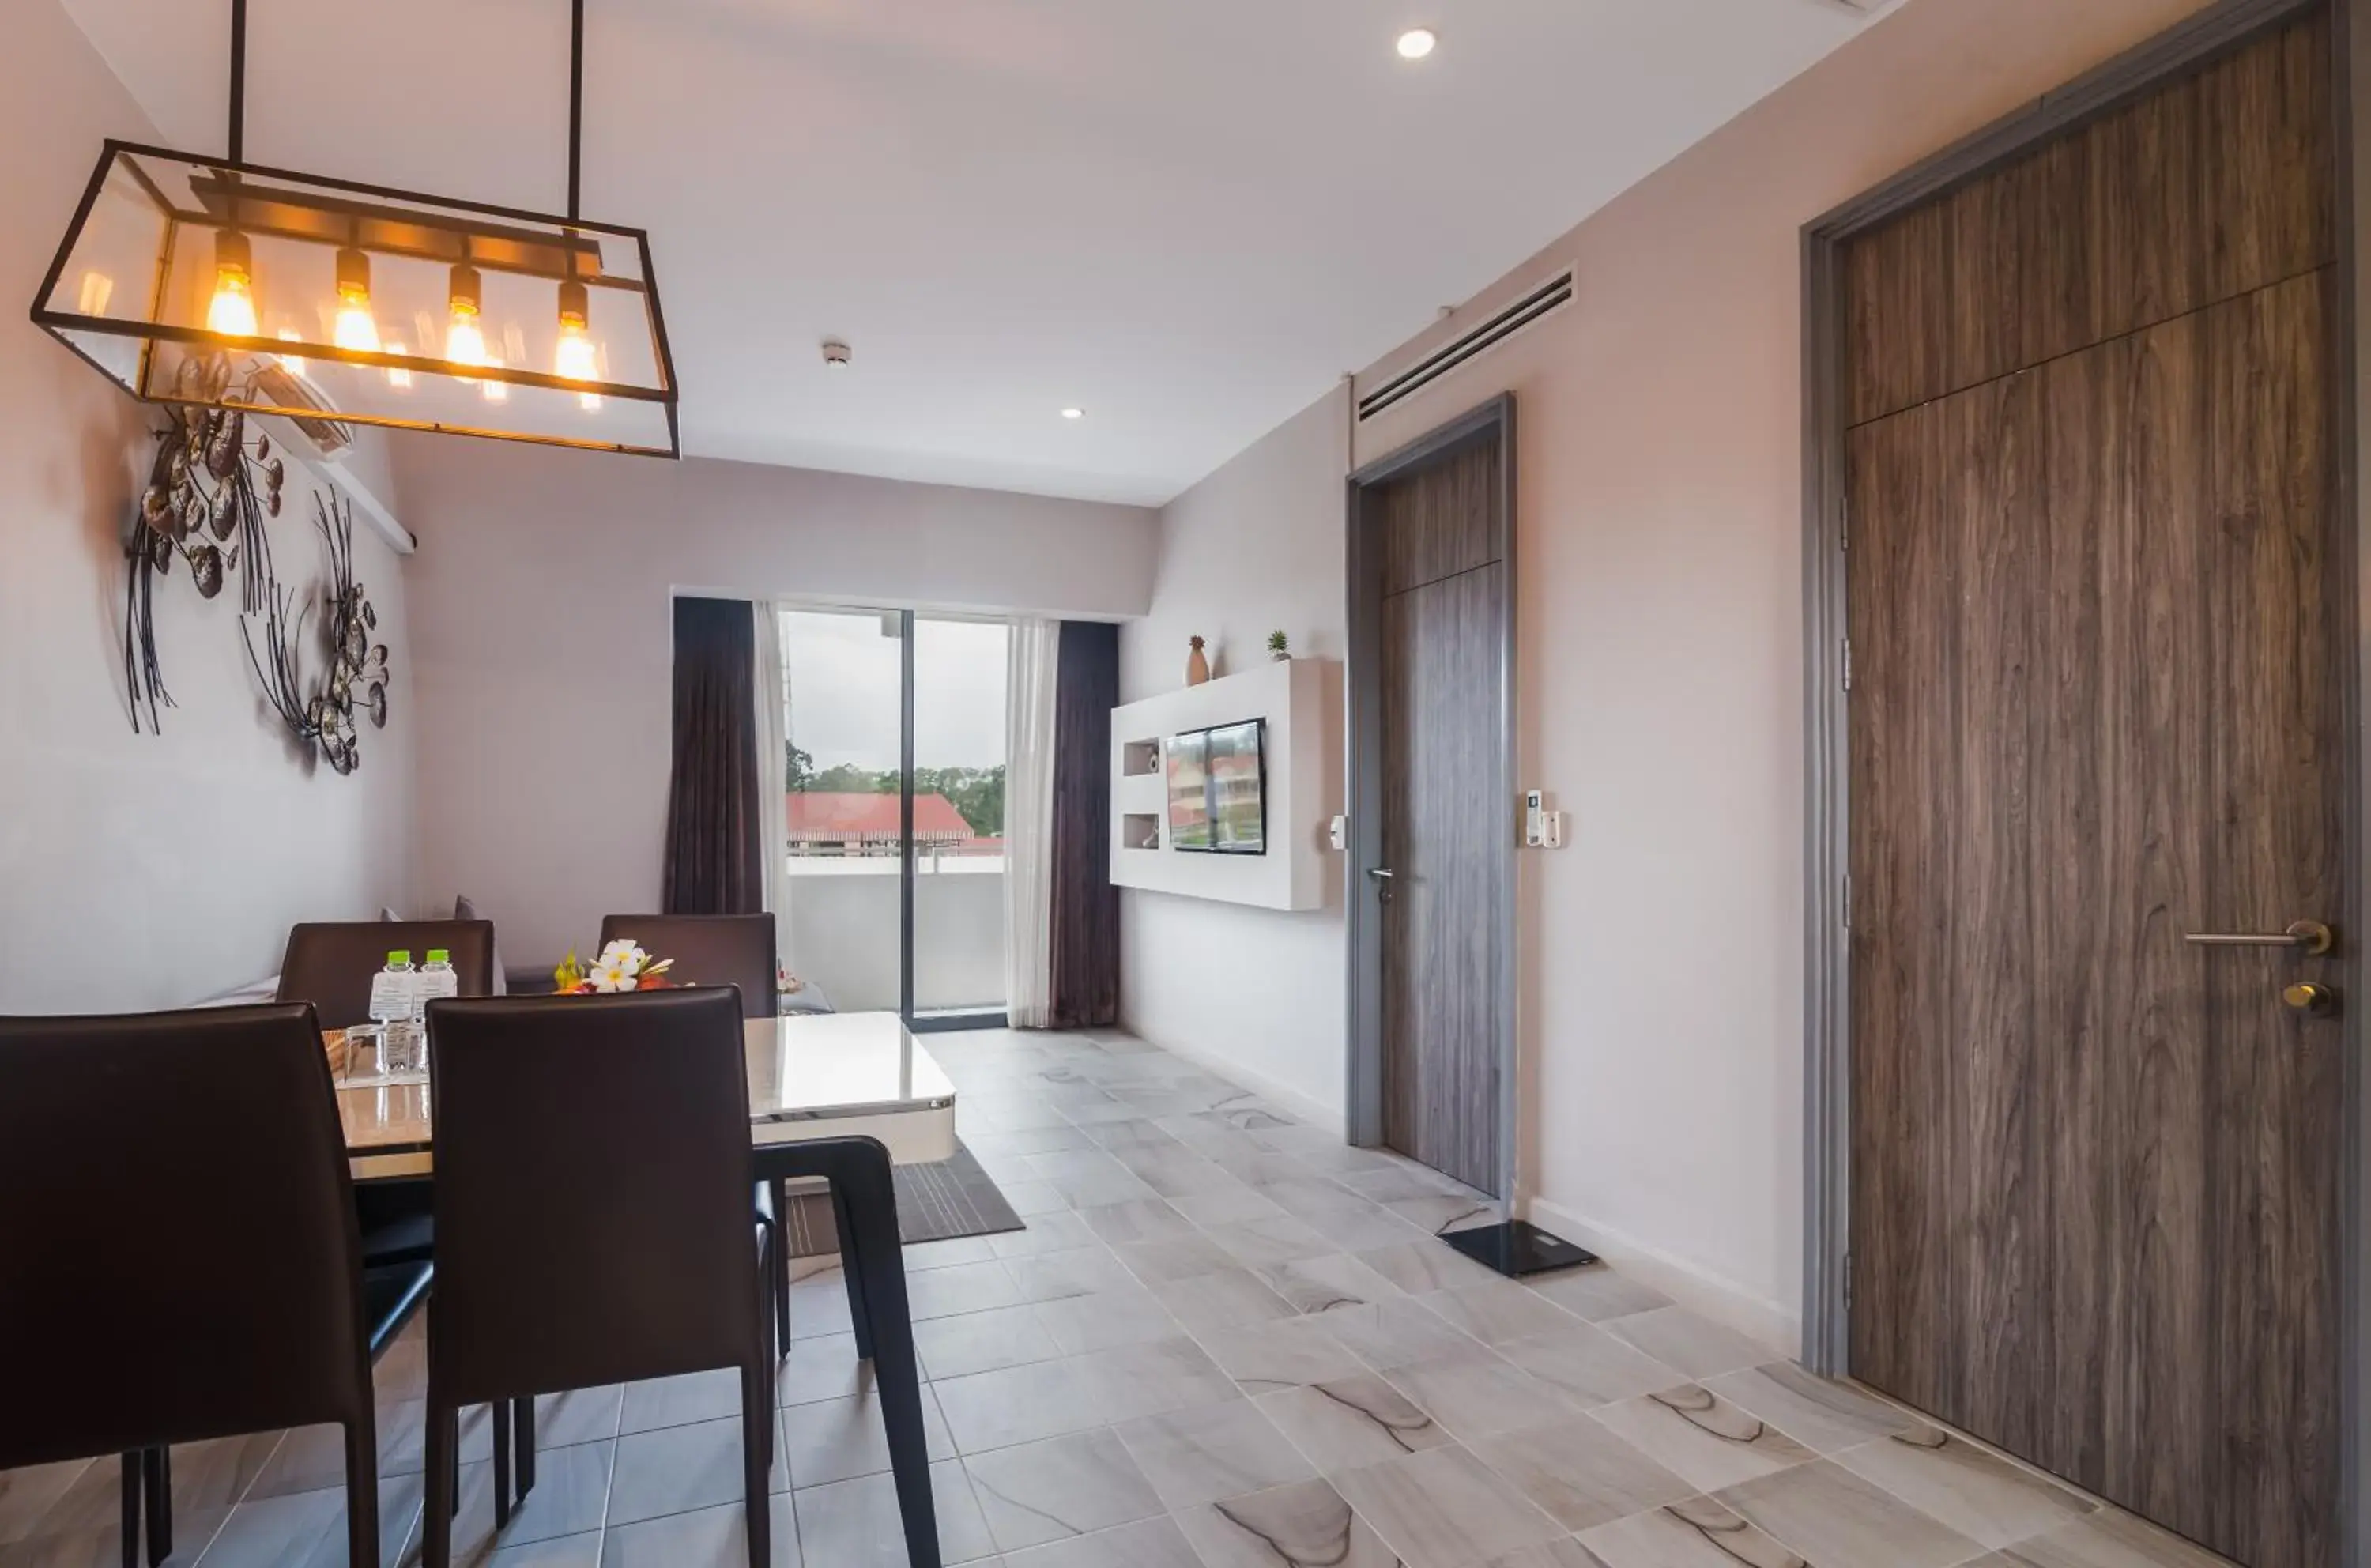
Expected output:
(1217, 789)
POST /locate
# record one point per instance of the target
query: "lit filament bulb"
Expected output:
(465, 339)
(356, 329)
(578, 359)
(232, 312)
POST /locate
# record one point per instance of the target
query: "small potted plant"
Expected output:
(1278, 652)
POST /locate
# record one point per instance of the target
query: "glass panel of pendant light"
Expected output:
(194, 280)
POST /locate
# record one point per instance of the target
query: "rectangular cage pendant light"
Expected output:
(199, 280)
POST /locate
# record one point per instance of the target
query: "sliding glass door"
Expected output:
(895, 809)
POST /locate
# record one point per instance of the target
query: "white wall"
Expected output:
(1659, 660)
(540, 604)
(142, 870)
(1255, 547)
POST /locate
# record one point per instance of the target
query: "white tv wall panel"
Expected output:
(1290, 696)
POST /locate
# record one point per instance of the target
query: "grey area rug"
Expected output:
(935, 1203)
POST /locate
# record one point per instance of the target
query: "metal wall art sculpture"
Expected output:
(358, 674)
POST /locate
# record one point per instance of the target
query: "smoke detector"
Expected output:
(835, 354)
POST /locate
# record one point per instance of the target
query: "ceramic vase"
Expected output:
(1197, 664)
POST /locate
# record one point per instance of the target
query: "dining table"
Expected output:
(836, 1097)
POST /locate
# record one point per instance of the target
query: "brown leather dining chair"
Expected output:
(732, 950)
(593, 1221)
(330, 963)
(247, 1313)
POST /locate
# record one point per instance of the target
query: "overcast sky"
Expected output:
(843, 680)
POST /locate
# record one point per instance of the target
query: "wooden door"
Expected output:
(1443, 646)
(2100, 643)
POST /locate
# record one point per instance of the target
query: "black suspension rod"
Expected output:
(575, 104)
(238, 80)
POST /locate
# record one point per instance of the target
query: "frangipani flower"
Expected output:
(611, 974)
(625, 951)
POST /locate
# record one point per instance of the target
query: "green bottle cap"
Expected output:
(439, 955)
(400, 955)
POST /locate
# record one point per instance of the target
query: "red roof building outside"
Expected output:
(826, 822)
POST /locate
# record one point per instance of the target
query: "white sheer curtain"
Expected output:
(773, 773)
(1029, 822)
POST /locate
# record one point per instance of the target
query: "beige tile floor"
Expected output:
(1225, 1340)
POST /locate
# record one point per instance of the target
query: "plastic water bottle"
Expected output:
(436, 979)
(395, 1011)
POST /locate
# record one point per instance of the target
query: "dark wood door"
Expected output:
(1444, 817)
(2099, 642)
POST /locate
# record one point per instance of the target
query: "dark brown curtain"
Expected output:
(715, 858)
(1085, 904)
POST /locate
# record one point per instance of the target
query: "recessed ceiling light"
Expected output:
(1417, 42)
(1074, 413)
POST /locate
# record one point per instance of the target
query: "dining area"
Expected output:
(222, 1220)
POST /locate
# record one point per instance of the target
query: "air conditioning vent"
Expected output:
(1537, 306)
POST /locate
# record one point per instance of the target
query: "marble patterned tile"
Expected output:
(1255, 1243)
(26, 1494)
(1266, 1357)
(2108, 1539)
(1175, 1257)
(1049, 1233)
(1231, 1297)
(1306, 1525)
(718, 1536)
(920, 1257)
(839, 1439)
(1233, 1205)
(1326, 1285)
(1208, 1452)
(680, 1401)
(1090, 1178)
(1440, 1215)
(1696, 1533)
(1822, 1415)
(1076, 1271)
(1566, 1553)
(1598, 1293)
(1396, 1333)
(1580, 1474)
(570, 1496)
(306, 1530)
(1444, 1508)
(677, 1469)
(1174, 1170)
(1965, 1485)
(1348, 1422)
(1034, 1200)
(1498, 1311)
(1135, 1132)
(1032, 1140)
(959, 1346)
(1017, 1405)
(1104, 1319)
(1426, 1265)
(1839, 1520)
(1591, 1365)
(854, 1523)
(1148, 1380)
(1476, 1394)
(1313, 1198)
(966, 1287)
(1072, 1485)
(1146, 1219)
(585, 1416)
(1149, 1543)
(1702, 1438)
(1681, 1340)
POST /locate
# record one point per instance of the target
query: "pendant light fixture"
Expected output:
(174, 261)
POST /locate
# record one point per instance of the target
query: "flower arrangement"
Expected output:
(622, 966)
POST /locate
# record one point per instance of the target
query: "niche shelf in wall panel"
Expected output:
(1300, 705)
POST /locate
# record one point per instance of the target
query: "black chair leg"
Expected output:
(136, 1464)
(523, 1433)
(757, 1458)
(362, 1493)
(443, 1481)
(859, 1314)
(497, 1415)
(156, 1481)
(779, 1273)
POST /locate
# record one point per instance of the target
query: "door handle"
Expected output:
(1382, 877)
(2306, 935)
(1378, 871)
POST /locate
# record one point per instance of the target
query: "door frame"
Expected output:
(2217, 29)
(1493, 421)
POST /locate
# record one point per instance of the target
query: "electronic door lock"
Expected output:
(2311, 998)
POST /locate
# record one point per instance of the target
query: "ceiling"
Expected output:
(1186, 217)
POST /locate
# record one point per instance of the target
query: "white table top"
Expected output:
(819, 1076)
